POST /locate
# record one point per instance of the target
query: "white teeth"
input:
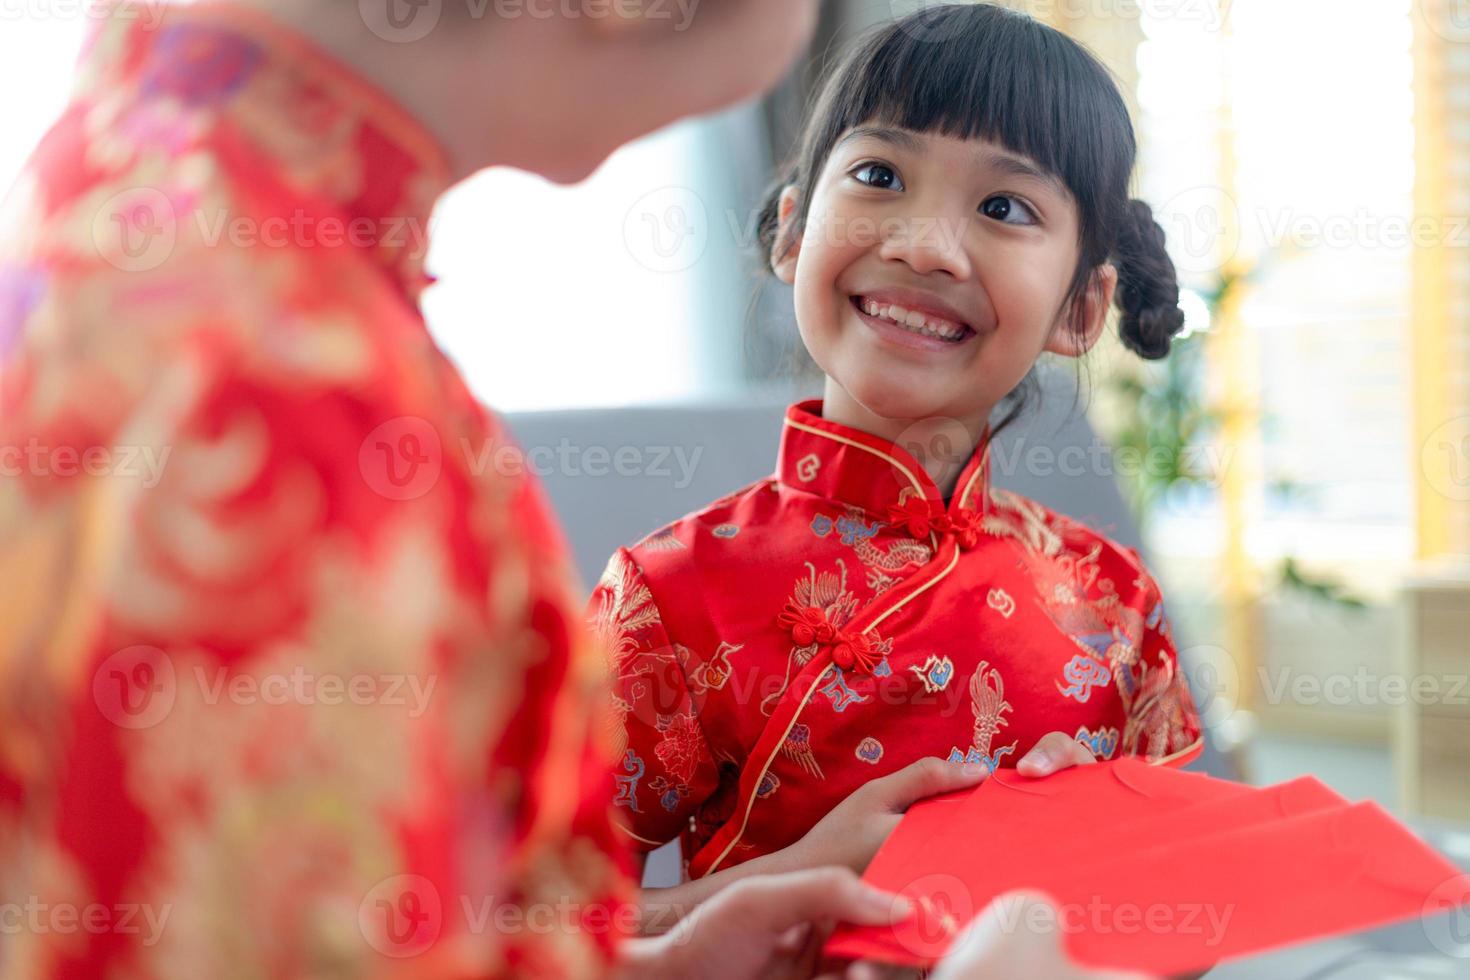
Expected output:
(913, 320)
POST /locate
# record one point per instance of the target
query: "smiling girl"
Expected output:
(789, 660)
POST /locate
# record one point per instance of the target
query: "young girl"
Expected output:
(958, 205)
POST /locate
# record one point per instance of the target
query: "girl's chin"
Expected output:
(891, 398)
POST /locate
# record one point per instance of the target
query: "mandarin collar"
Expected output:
(850, 466)
(329, 134)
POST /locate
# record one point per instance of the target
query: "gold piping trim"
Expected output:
(868, 449)
(954, 560)
(750, 804)
(1196, 746)
(641, 840)
(970, 483)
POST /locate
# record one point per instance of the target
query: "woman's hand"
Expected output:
(851, 834)
(767, 926)
(1054, 752)
(1016, 938)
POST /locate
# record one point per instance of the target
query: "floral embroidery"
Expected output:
(869, 750)
(669, 793)
(682, 745)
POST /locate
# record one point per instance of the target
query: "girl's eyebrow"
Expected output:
(1009, 163)
(901, 138)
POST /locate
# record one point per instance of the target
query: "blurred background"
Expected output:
(1298, 470)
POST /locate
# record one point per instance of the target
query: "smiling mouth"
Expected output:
(914, 321)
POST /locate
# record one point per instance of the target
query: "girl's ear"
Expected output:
(787, 245)
(1092, 308)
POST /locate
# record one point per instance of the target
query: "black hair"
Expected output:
(983, 71)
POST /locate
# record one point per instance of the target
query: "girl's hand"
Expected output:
(1053, 753)
(851, 834)
(766, 926)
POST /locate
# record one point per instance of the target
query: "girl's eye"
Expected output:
(1008, 209)
(878, 175)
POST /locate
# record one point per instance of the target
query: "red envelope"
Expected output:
(1260, 868)
(948, 853)
(1293, 880)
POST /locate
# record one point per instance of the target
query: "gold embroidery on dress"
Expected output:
(714, 673)
(989, 705)
(1157, 716)
(664, 540)
(828, 592)
(625, 607)
(1025, 520)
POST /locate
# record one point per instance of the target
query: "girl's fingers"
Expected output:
(925, 778)
(1054, 752)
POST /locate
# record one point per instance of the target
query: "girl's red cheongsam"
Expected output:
(838, 621)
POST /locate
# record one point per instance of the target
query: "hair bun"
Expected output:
(1148, 287)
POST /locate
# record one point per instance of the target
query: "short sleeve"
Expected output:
(664, 768)
(1162, 724)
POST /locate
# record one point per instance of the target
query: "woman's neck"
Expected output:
(439, 79)
(942, 445)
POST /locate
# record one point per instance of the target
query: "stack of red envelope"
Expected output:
(1152, 869)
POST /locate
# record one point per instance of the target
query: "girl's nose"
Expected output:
(927, 245)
